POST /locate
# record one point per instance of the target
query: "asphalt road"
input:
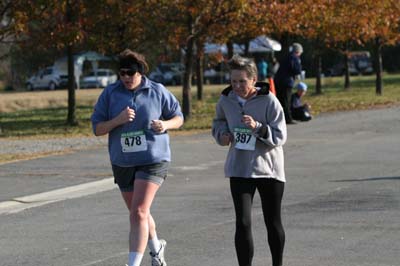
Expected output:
(341, 202)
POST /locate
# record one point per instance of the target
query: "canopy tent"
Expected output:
(260, 44)
(264, 44)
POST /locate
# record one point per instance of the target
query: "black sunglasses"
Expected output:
(129, 72)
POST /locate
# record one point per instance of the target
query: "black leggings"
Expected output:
(271, 192)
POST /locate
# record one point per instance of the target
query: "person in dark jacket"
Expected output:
(300, 111)
(284, 79)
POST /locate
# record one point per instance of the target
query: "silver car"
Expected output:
(49, 78)
(99, 78)
(168, 73)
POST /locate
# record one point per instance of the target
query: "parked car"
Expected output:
(167, 73)
(339, 70)
(99, 78)
(359, 64)
(49, 78)
(215, 77)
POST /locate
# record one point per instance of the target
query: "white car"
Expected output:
(48, 78)
(99, 78)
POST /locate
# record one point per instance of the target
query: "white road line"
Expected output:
(19, 204)
(199, 167)
(22, 203)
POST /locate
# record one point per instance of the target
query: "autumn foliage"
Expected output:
(151, 26)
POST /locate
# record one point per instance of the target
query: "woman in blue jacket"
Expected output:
(136, 113)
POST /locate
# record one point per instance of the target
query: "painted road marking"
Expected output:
(19, 204)
(200, 167)
(22, 203)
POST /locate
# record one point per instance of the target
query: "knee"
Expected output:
(139, 215)
(243, 224)
(275, 227)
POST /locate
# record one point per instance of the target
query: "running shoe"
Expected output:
(158, 259)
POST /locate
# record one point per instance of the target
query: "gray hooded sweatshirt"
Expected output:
(252, 153)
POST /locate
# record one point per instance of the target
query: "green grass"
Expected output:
(49, 121)
(52, 121)
(360, 96)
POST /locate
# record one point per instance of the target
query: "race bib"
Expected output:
(133, 141)
(244, 139)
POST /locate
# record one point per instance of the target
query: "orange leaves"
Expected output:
(379, 19)
(109, 24)
(338, 21)
(46, 23)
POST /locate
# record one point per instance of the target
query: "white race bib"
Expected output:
(133, 141)
(244, 139)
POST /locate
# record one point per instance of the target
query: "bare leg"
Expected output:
(141, 222)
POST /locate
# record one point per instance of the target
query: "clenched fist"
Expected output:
(158, 126)
(127, 115)
(226, 138)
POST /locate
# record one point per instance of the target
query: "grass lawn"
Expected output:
(44, 113)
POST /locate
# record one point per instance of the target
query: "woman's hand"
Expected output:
(226, 138)
(158, 126)
(127, 115)
(249, 122)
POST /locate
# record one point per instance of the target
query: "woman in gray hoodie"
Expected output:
(251, 121)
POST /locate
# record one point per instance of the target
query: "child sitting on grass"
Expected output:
(299, 110)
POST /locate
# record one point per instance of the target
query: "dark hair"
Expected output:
(241, 63)
(132, 60)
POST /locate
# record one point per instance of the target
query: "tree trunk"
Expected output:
(229, 45)
(378, 66)
(246, 49)
(199, 71)
(318, 86)
(187, 78)
(346, 72)
(71, 120)
(285, 42)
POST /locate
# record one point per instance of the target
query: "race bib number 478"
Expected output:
(244, 139)
(133, 141)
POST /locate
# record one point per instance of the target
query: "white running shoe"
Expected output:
(158, 259)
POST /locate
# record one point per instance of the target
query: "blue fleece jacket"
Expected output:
(151, 101)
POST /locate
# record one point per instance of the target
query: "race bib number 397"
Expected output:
(133, 141)
(244, 140)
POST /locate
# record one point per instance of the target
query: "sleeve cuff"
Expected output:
(260, 130)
